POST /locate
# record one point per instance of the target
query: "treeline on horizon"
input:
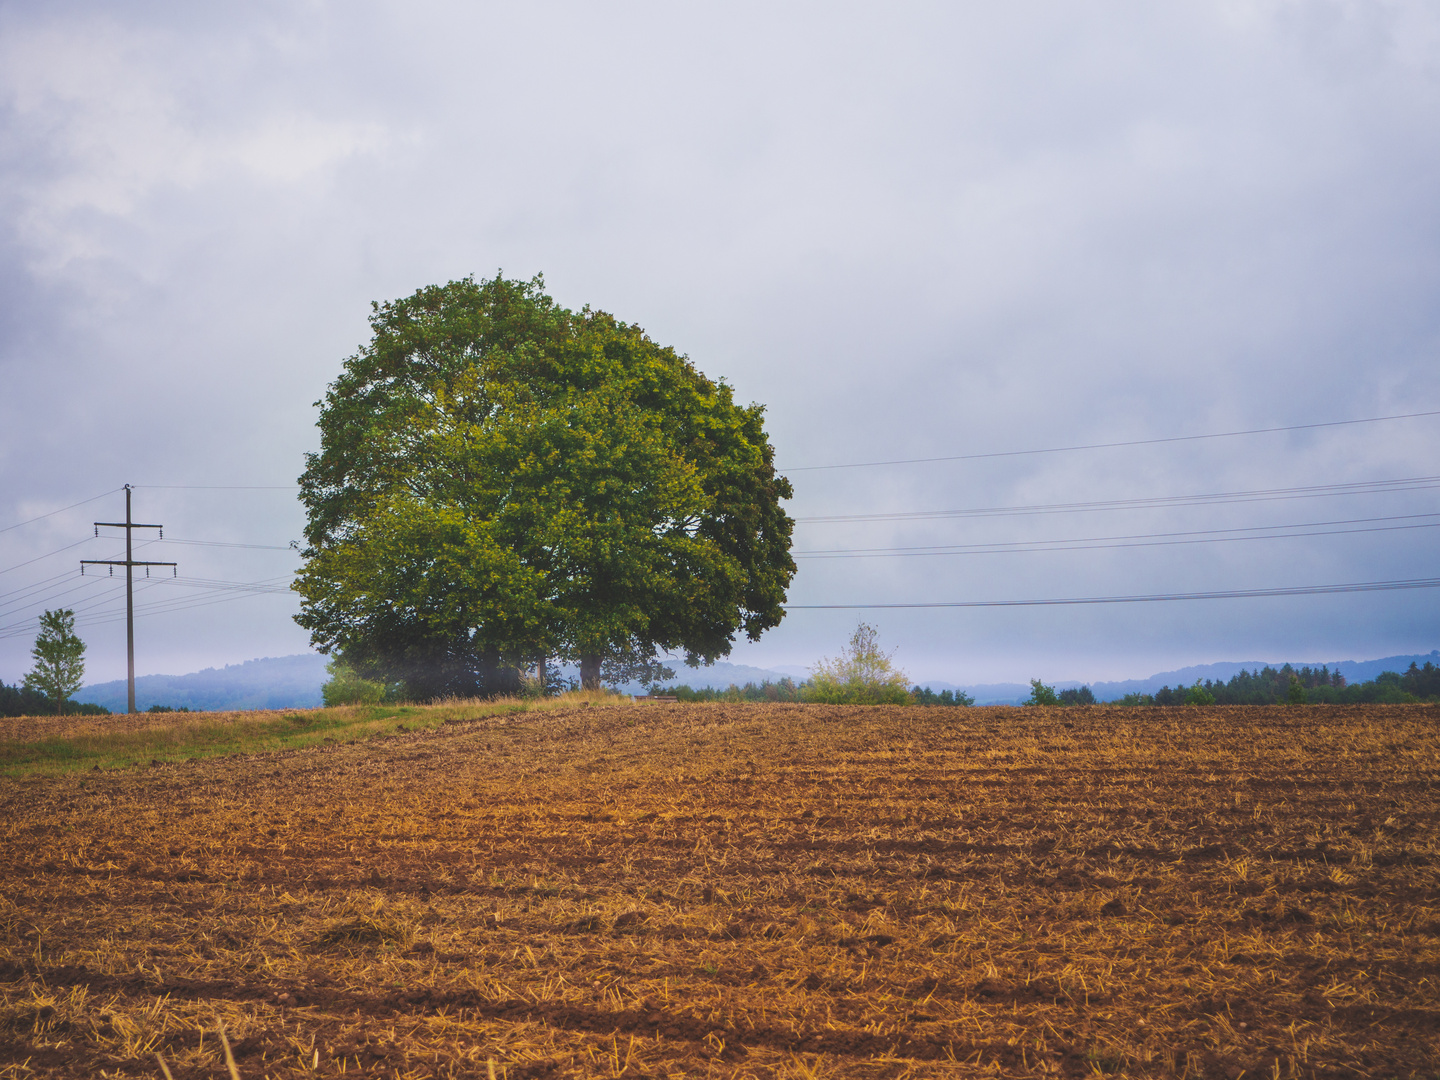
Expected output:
(1266, 686)
(1301, 686)
(23, 701)
(789, 690)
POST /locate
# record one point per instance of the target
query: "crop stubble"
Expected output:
(745, 890)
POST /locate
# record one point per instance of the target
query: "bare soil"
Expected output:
(744, 890)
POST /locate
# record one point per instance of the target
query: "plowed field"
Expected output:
(744, 890)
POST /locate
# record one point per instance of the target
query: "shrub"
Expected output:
(862, 675)
(1040, 694)
(347, 688)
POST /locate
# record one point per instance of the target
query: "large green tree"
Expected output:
(59, 656)
(501, 480)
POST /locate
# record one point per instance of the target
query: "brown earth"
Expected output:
(744, 890)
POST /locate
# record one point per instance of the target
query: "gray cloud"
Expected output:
(915, 231)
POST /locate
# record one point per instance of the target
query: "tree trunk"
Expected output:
(540, 674)
(590, 671)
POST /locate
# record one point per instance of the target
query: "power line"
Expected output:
(1100, 543)
(218, 487)
(52, 513)
(1359, 487)
(1224, 594)
(26, 625)
(47, 555)
(17, 599)
(264, 585)
(163, 607)
(1112, 445)
(227, 544)
(54, 594)
(64, 575)
(88, 615)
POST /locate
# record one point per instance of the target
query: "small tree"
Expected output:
(59, 658)
(862, 675)
(1040, 694)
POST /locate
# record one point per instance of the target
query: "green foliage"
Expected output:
(502, 479)
(59, 658)
(345, 687)
(861, 675)
(167, 708)
(925, 696)
(1077, 696)
(1295, 692)
(1422, 682)
(1134, 699)
(20, 701)
(182, 736)
(1198, 695)
(1040, 694)
(784, 690)
(1290, 685)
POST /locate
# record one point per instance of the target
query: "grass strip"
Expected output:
(76, 744)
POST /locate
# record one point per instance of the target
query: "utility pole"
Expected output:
(129, 563)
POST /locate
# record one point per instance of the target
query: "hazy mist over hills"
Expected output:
(293, 682)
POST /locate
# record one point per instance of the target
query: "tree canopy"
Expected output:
(501, 480)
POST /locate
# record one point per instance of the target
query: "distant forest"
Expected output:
(20, 701)
(1303, 685)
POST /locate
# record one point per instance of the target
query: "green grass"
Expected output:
(127, 741)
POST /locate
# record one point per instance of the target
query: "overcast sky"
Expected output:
(910, 230)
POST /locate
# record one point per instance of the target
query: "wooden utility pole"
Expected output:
(129, 563)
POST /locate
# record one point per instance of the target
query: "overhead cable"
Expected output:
(1098, 543)
(1112, 445)
(1223, 594)
(1359, 487)
(47, 555)
(227, 544)
(52, 513)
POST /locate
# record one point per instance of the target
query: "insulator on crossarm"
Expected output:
(162, 534)
(112, 571)
(97, 530)
(147, 571)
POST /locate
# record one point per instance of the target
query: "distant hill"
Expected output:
(293, 682)
(280, 682)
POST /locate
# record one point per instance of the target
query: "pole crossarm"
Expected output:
(123, 525)
(123, 562)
